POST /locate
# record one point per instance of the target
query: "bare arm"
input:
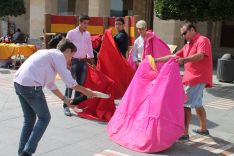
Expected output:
(163, 59)
(61, 96)
(78, 88)
(61, 67)
(88, 92)
(58, 94)
(193, 58)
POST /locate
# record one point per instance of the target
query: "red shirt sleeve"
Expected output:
(204, 47)
(180, 53)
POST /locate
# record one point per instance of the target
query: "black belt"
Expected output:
(79, 59)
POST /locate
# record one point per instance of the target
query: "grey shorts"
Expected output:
(195, 95)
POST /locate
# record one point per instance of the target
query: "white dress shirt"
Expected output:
(82, 42)
(41, 68)
(138, 49)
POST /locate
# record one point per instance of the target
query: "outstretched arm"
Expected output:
(193, 58)
(163, 59)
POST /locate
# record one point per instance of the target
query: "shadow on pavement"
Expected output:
(180, 149)
(210, 124)
(99, 122)
(202, 145)
(222, 91)
(4, 71)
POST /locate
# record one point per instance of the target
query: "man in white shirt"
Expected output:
(139, 42)
(38, 71)
(81, 38)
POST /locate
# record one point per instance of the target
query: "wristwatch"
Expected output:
(65, 99)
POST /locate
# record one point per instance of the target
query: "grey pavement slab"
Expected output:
(74, 136)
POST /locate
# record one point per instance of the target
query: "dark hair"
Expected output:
(189, 25)
(55, 40)
(18, 30)
(83, 17)
(66, 44)
(120, 19)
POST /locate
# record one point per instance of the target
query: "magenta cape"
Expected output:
(154, 46)
(150, 117)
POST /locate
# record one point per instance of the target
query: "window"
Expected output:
(227, 34)
(66, 7)
(116, 8)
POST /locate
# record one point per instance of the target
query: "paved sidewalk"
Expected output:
(74, 136)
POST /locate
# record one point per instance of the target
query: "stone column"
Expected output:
(82, 7)
(3, 27)
(99, 8)
(38, 8)
(139, 8)
(145, 10)
(51, 7)
(37, 11)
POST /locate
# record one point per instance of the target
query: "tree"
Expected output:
(195, 10)
(11, 8)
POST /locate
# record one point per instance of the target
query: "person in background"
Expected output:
(81, 38)
(38, 71)
(196, 56)
(139, 42)
(148, 43)
(52, 44)
(121, 38)
(17, 36)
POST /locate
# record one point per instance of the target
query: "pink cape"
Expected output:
(150, 117)
(130, 60)
(154, 46)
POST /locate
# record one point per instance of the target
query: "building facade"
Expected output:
(33, 21)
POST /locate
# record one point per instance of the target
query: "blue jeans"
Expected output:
(33, 103)
(78, 71)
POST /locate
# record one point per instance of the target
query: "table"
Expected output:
(9, 50)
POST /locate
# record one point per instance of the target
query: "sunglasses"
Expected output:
(184, 33)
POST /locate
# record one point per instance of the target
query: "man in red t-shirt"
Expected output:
(196, 55)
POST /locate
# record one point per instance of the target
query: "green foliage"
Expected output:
(194, 10)
(11, 8)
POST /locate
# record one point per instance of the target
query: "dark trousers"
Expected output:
(78, 71)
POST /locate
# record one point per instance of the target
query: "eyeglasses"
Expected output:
(117, 24)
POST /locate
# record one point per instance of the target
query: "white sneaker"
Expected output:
(67, 111)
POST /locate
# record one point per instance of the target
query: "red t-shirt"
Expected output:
(199, 71)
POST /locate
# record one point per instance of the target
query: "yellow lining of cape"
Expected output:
(152, 62)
